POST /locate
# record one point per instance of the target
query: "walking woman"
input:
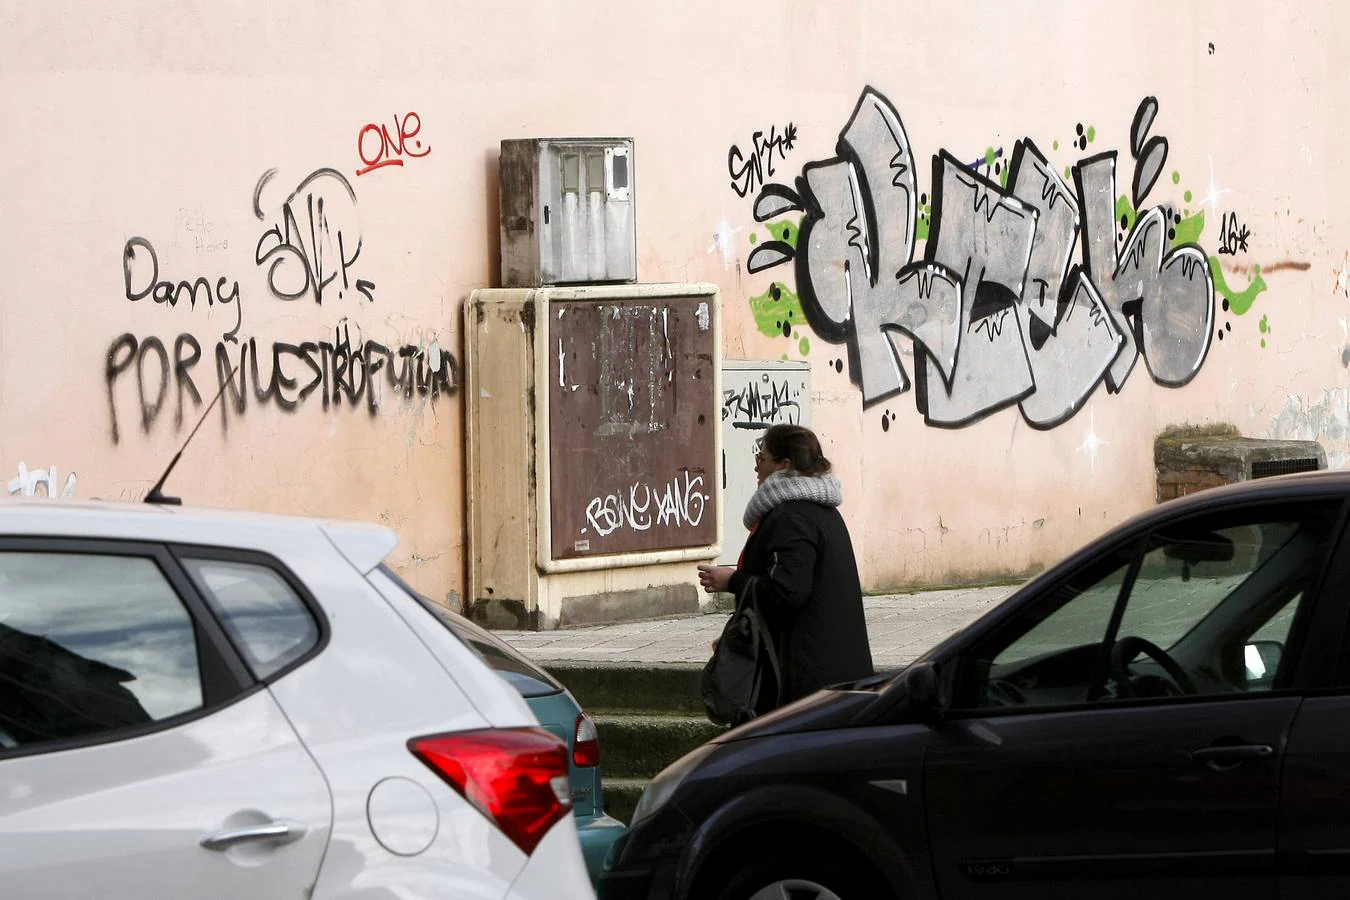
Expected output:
(799, 562)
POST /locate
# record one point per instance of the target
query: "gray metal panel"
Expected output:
(568, 219)
(519, 229)
(755, 395)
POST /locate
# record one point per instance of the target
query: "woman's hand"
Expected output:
(715, 579)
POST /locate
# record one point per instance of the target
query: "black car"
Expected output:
(1164, 714)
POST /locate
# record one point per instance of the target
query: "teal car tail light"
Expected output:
(585, 744)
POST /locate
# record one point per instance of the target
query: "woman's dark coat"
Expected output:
(808, 591)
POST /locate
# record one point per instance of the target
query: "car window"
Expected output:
(505, 660)
(88, 644)
(1205, 606)
(1079, 618)
(266, 620)
(527, 678)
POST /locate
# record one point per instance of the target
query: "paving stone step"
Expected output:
(651, 687)
(638, 745)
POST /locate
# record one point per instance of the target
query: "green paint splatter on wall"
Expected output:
(1125, 211)
(1068, 174)
(785, 231)
(1264, 324)
(1238, 301)
(754, 238)
(1176, 179)
(804, 347)
(1187, 196)
(989, 157)
(1055, 145)
(1091, 133)
(1189, 229)
(777, 311)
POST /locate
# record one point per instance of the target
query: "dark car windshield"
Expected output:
(529, 680)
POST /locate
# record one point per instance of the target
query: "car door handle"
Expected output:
(271, 832)
(1232, 754)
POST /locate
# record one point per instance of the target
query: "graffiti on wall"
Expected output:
(27, 482)
(309, 248)
(335, 371)
(759, 404)
(997, 308)
(141, 279)
(378, 148)
(1233, 235)
(749, 172)
(316, 241)
(679, 502)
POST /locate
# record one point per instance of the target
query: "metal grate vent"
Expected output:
(1264, 468)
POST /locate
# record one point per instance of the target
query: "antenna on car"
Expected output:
(155, 496)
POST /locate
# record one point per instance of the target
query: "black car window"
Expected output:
(519, 672)
(266, 620)
(1205, 606)
(528, 679)
(88, 644)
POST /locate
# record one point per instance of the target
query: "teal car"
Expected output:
(556, 710)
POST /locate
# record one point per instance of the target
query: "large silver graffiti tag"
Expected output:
(997, 308)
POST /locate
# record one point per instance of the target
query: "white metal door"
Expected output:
(755, 395)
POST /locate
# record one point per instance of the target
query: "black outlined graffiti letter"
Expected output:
(986, 236)
(1070, 337)
(1162, 303)
(854, 268)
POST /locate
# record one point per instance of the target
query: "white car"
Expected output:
(200, 703)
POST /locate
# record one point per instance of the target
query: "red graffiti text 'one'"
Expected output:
(389, 150)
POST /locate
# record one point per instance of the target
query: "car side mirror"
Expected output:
(1262, 659)
(913, 695)
(922, 692)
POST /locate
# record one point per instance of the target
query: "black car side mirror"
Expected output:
(914, 695)
(923, 696)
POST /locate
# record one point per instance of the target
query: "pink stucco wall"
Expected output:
(169, 123)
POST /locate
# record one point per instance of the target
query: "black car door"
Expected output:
(1314, 816)
(1120, 734)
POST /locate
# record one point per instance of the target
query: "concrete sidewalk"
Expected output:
(900, 626)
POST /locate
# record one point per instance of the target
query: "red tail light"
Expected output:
(517, 777)
(585, 744)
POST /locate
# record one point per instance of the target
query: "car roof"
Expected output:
(365, 545)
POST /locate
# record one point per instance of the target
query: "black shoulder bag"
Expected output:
(733, 678)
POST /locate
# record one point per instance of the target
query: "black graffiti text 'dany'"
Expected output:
(287, 375)
(140, 278)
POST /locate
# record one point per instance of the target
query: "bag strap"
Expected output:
(765, 638)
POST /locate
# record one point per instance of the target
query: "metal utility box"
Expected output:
(593, 450)
(567, 211)
(755, 395)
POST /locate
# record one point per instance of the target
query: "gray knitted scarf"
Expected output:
(786, 485)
